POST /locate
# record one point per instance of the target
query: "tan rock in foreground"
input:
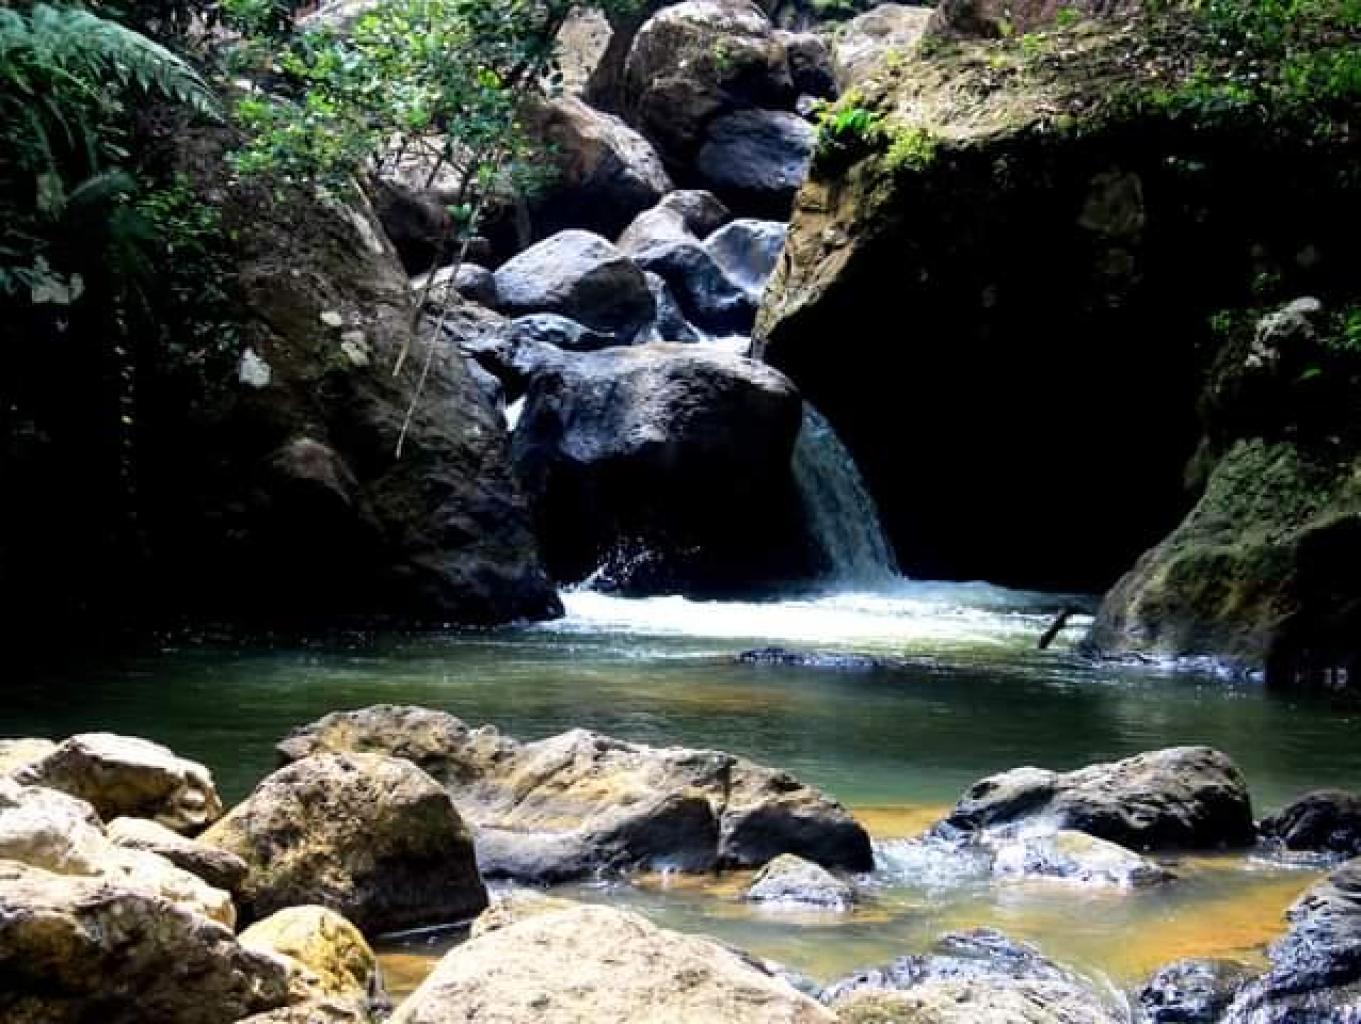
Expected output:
(603, 966)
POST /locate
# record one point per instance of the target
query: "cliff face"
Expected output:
(998, 281)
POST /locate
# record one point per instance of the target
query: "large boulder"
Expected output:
(600, 964)
(1178, 798)
(670, 324)
(371, 837)
(697, 60)
(978, 977)
(220, 869)
(703, 212)
(755, 160)
(602, 173)
(78, 949)
(638, 459)
(124, 775)
(1326, 821)
(708, 296)
(869, 42)
(1315, 973)
(747, 251)
(578, 803)
(581, 276)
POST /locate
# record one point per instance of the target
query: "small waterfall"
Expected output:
(842, 518)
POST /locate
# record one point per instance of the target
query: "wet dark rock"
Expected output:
(647, 450)
(1315, 975)
(670, 324)
(709, 297)
(747, 251)
(581, 276)
(470, 281)
(1177, 798)
(703, 212)
(755, 160)
(1192, 991)
(810, 64)
(579, 803)
(1325, 821)
(560, 331)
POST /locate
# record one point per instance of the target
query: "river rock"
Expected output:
(1327, 821)
(123, 775)
(694, 61)
(978, 977)
(707, 295)
(220, 869)
(470, 281)
(1192, 991)
(670, 324)
(373, 838)
(15, 755)
(747, 251)
(559, 331)
(634, 459)
(600, 964)
(1075, 857)
(810, 64)
(319, 1011)
(757, 159)
(77, 949)
(340, 962)
(1315, 975)
(796, 882)
(574, 804)
(581, 276)
(603, 172)
(658, 226)
(1180, 797)
(702, 212)
(870, 40)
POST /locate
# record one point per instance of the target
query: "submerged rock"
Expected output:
(1075, 857)
(635, 460)
(978, 977)
(373, 838)
(581, 276)
(1315, 975)
(78, 949)
(1325, 821)
(124, 775)
(1177, 798)
(575, 804)
(796, 882)
(835, 661)
(600, 964)
(1192, 991)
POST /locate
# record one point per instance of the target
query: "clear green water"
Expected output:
(972, 697)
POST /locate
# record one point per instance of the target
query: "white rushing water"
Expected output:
(841, 514)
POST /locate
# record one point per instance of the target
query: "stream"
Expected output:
(967, 694)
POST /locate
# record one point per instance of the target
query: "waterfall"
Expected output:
(841, 515)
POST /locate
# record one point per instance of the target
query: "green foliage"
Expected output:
(846, 130)
(910, 148)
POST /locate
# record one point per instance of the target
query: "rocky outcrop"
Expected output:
(597, 963)
(1315, 970)
(371, 837)
(124, 775)
(697, 60)
(755, 160)
(970, 178)
(792, 881)
(581, 276)
(603, 173)
(635, 460)
(220, 869)
(76, 949)
(1256, 574)
(1326, 821)
(579, 803)
(1178, 798)
(1192, 991)
(870, 42)
(978, 977)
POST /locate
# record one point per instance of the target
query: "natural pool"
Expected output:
(971, 696)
